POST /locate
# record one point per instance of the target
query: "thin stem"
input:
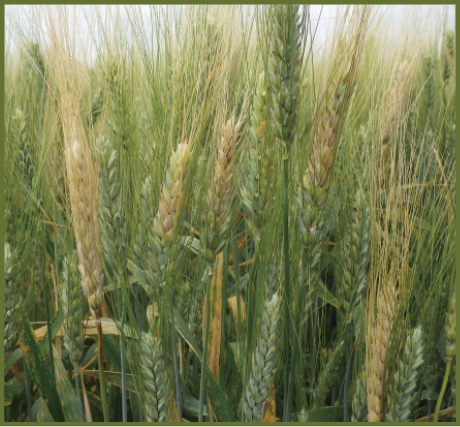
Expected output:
(48, 333)
(187, 370)
(27, 383)
(77, 392)
(287, 293)
(205, 352)
(123, 367)
(443, 390)
(174, 349)
(430, 409)
(346, 417)
(224, 303)
(105, 408)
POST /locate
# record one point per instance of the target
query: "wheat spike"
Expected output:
(219, 195)
(450, 334)
(74, 311)
(112, 218)
(254, 189)
(156, 397)
(171, 196)
(12, 299)
(404, 381)
(356, 257)
(155, 238)
(145, 225)
(284, 69)
(359, 402)
(381, 340)
(83, 198)
(263, 363)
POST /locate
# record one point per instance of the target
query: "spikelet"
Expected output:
(404, 381)
(112, 218)
(74, 310)
(378, 350)
(359, 402)
(283, 69)
(83, 197)
(156, 394)
(12, 299)
(254, 189)
(263, 363)
(219, 195)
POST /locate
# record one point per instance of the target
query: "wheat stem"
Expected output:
(100, 363)
(443, 390)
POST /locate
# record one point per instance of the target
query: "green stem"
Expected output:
(443, 390)
(105, 408)
(174, 349)
(205, 351)
(123, 367)
(287, 293)
(48, 333)
(346, 417)
(28, 399)
(77, 392)
(224, 304)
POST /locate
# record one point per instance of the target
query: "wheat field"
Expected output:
(226, 214)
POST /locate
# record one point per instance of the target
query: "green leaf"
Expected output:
(13, 358)
(191, 406)
(55, 326)
(115, 379)
(139, 275)
(219, 401)
(66, 392)
(40, 412)
(90, 354)
(40, 370)
(326, 414)
(12, 388)
(326, 295)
